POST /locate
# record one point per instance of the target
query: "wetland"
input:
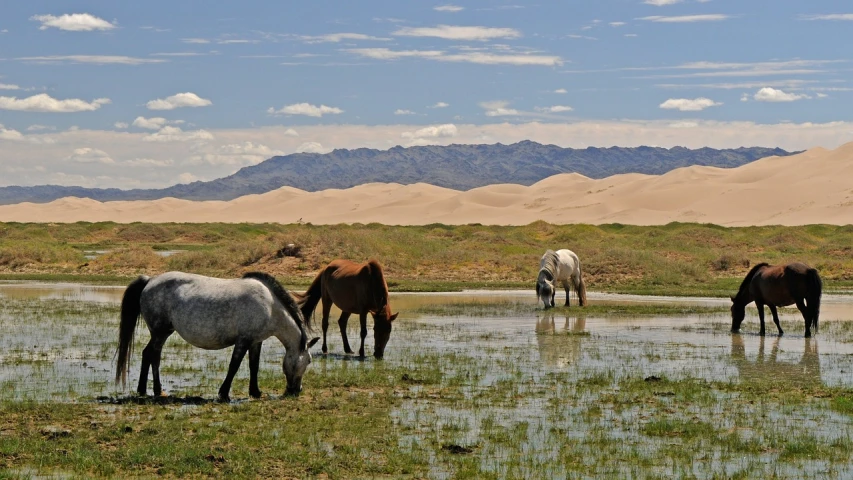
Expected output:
(475, 384)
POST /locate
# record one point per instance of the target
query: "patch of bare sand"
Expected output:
(811, 187)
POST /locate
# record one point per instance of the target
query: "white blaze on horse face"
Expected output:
(546, 291)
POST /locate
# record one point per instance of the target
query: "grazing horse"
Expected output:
(561, 266)
(213, 313)
(779, 286)
(355, 288)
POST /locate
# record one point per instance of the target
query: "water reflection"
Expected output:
(559, 347)
(805, 372)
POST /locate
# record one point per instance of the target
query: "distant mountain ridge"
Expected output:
(460, 167)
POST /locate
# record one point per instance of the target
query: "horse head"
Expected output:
(545, 291)
(738, 313)
(296, 361)
(382, 324)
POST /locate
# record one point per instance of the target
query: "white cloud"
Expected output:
(482, 58)
(37, 128)
(305, 109)
(498, 108)
(446, 130)
(312, 147)
(91, 59)
(90, 155)
(155, 123)
(450, 32)
(561, 90)
(74, 22)
(822, 95)
(630, 35)
(401, 111)
(617, 24)
(337, 37)
(555, 109)
(9, 134)
(744, 97)
(148, 162)
(175, 134)
(199, 41)
(7, 86)
(186, 99)
(686, 18)
(768, 94)
(440, 105)
(290, 133)
(45, 103)
(831, 16)
(121, 125)
(661, 3)
(187, 177)
(689, 105)
(448, 8)
(237, 154)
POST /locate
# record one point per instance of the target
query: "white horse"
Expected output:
(561, 266)
(213, 313)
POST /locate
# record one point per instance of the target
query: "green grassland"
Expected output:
(677, 259)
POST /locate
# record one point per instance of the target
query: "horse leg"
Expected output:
(327, 308)
(342, 323)
(151, 358)
(801, 306)
(156, 354)
(566, 288)
(240, 349)
(362, 320)
(760, 307)
(254, 365)
(775, 317)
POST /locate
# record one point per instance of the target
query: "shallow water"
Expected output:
(535, 383)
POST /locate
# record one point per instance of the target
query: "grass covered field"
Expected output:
(677, 259)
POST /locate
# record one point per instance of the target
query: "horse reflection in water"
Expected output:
(559, 348)
(805, 373)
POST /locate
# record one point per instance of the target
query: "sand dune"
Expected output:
(813, 187)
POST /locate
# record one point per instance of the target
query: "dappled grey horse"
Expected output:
(214, 313)
(561, 266)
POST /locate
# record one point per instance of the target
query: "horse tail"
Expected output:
(130, 310)
(815, 287)
(308, 301)
(580, 288)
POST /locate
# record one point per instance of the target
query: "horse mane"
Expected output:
(549, 263)
(748, 278)
(286, 299)
(377, 280)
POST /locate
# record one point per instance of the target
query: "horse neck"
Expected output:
(289, 333)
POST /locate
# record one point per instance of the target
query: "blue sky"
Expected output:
(146, 94)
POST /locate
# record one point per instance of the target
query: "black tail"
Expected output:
(580, 288)
(815, 287)
(308, 301)
(130, 310)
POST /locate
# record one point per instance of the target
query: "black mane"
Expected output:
(749, 276)
(285, 298)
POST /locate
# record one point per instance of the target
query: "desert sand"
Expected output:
(812, 187)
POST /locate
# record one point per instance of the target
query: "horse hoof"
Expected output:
(255, 394)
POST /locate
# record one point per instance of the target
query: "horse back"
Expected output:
(354, 287)
(772, 285)
(208, 312)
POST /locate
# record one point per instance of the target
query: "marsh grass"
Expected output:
(677, 259)
(467, 398)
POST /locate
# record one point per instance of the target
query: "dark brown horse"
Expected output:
(779, 286)
(355, 288)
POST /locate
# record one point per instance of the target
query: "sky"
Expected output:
(150, 94)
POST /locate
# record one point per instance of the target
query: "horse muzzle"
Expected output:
(293, 390)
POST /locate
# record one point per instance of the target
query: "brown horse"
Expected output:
(355, 288)
(779, 286)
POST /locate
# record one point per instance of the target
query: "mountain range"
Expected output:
(460, 167)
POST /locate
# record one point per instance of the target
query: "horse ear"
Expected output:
(392, 317)
(312, 342)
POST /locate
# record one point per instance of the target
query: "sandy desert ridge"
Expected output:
(813, 187)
